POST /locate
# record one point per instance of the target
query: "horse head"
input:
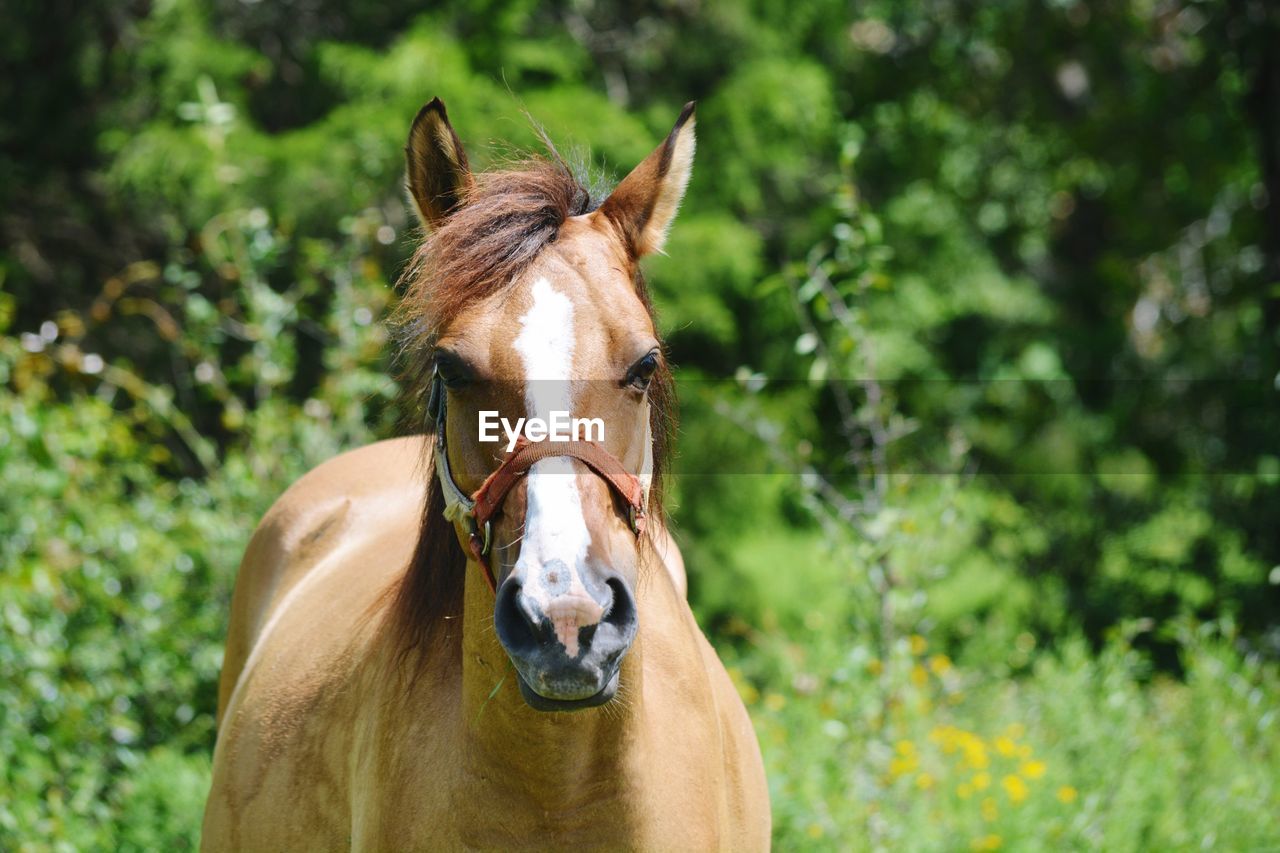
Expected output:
(533, 313)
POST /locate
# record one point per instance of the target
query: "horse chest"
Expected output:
(450, 792)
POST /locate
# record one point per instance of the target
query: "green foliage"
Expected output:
(910, 751)
(988, 291)
(118, 572)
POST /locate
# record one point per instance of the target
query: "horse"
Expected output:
(439, 642)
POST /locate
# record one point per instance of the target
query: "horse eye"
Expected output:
(452, 369)
(642, 371)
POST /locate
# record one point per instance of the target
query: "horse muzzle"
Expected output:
(566, 647)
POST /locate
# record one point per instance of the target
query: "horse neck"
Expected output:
(557, 756)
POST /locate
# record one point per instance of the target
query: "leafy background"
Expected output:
(991, 291)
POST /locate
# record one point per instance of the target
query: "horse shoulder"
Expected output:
(301, 528)
(747, 802)
(701, 710)
(304, 660)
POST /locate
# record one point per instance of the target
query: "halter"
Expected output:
(476, 510)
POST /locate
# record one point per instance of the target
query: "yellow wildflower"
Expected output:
(874, 666)
(1033, 769)
(902, 766)
(919, 676)
(940, 664)
(989, 810)
(1067, 794)
(947, 738)
(924, 781)
(1015, 788)
(981, 781)
(964, 790)
(1024, 752)
(814, 831)
(975, 752)
(774, 701)
(986, 842)
(1006, 747)
(919, 645)
(905, 747)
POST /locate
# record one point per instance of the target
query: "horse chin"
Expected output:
(539, 702)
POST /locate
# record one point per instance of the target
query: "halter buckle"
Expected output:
(486, 540)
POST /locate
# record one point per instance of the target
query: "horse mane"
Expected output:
(501, 225)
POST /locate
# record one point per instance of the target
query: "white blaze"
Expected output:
(553, 552)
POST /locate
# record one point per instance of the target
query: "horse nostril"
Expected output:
(518, 625)
(621, 610)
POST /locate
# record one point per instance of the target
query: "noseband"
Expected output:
(476, 510)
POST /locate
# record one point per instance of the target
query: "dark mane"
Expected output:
(501, 226)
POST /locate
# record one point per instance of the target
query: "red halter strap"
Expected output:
(491, 494)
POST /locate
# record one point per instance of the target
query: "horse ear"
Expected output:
(644, 204)
(437, 166)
